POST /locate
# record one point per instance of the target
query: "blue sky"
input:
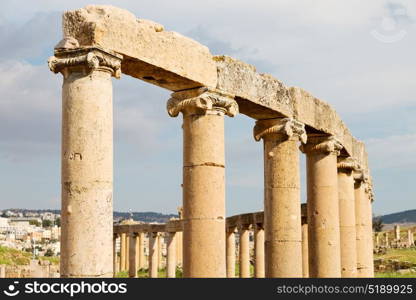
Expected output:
(356, 55)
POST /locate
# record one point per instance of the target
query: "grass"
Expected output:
(13, 257)
(399, 254)
(144, 273)
(394, 275)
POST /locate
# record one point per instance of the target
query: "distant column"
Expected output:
(397, 232)
(142, 257)
(171, 255)
(127, 250)
(230, 252)
(282, 224)
(115, 262)
(87, 158)
(133, 254)
(386, 239)
(259, 271)
(305, 254)
(153, 254)
(203, 178)
(346, 166)
(244, 251)
(323, 206)
(123, 247)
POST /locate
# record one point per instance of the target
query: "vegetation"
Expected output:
(9, 256)
(399, 254)
(377, 224)
(144, 273)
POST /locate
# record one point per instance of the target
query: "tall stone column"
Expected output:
(171, 256)
(86, 158)
(323, 206)
(230, 252)
(397, 233)
(142, 258)
(203, 178)
(133, 254)
(153, 254)
(363, 218)
(179, 240)
(259, 270)
(244, 234)
(282, 218)
(346, 198)
(410, 240)
(115, 262)
(123, 246)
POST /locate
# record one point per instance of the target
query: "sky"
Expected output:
(359, 56)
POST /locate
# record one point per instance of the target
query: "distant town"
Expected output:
(39, 231)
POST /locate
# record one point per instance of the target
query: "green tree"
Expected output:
(49, 252)
(58, 222)
(46, 223)
(34, 222)
(377, 224)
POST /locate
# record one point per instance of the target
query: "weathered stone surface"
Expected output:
(164, 58)
(267, 96)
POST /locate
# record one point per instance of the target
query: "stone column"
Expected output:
(346, 197)
(230, 252)
(86, 159)
(259, 270)
(127, 249)
(377, 239)
(153, 254)
(171, 256)
(305, 248)
(142, 258)
(123, 246)
(410, 237)
(115, 263)
(244, 254)
(363, 227)
(179, 240)
(386, 239)
(282, 219)
(323, 206)
(133, 254)
(203, 178)
(397, 233)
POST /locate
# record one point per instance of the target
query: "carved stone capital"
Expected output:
(361, 175)
(322, 144)
(88, 58)
(347, 164)
(285, 126)
(201, 101)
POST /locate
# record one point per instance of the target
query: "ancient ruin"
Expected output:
(331, 238)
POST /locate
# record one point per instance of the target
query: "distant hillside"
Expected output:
(407, 216)
(137, 216)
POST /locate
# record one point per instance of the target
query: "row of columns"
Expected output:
(87, 181)
(133, 258)
(397, 241)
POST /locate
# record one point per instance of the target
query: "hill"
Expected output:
(407, 216)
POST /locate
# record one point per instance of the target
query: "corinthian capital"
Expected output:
(88, 58)
(361, 175)
(322, 144)
(284, 126)
(201, 101)
(347, 164)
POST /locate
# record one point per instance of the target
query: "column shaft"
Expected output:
(259, 270)
(123, 247)
(153, 254)
(142, 258)
(323, 206)
(244, 252)
(115, 262)
(347, 217)
(230, 253)
(171, 256)
(133, 255)
(364, 232)
(305, 251)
